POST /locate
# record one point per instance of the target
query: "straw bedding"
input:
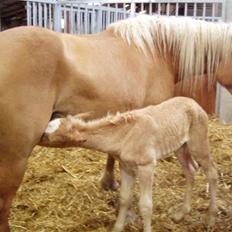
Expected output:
(61, 192)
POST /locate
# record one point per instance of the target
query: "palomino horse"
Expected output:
(132, 64)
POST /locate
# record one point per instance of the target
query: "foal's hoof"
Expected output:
(180, 214)
(117, 229)
(131, 217)
(109, 185)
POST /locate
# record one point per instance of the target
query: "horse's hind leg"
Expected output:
(189, 170)
(108, 182)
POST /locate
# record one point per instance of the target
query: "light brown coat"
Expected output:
(137, 139)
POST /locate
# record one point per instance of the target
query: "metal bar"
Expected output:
(41, 1)
(223, 12)
(79, 19)
(159, 8)
(88, 21)
(218, 99)
(81, 22)
(34, 5)
(108, 15)
(50, 15)
(93, 20)
(99, 19)
(28, 13)
(123, 1)
(204, 10)
(177, 9)
(64, 19)
(132, 8)
(213, 10)
(124, 10)
(104, 19)
(71, 20)
(185, 9)
(85, 21)
(150, 8)
(116, 13)
(142, 7)
(113, 14)
(45, 15)
(195, 9)
(40, 14)
(57, 17)
(168, 9)
(76, 22)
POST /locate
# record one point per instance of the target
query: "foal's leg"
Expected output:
(211, 174)
(145, 175)
(108, 182)
(189, 171)
(202, 155)
(127, 182)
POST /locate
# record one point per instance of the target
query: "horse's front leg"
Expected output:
(12, 168)
(108, 182)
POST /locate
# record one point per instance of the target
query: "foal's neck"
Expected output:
(107, 134)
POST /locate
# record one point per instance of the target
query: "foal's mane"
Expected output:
(109, 120)
(196, 46)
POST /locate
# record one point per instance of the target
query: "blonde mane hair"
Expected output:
(197, 46)
(109, 120)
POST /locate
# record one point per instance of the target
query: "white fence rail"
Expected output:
(87, 16)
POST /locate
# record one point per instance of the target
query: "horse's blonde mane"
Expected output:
(109, 120)
(196, 46)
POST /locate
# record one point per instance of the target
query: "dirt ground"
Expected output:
(61, 192)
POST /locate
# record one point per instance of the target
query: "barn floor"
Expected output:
(61, 192)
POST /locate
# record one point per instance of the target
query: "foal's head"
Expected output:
(61, 133)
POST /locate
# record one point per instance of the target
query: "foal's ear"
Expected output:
(70, 117)
(80, 140)
(83, 140)
(83, 115)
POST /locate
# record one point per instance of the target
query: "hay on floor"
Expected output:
(61, 192)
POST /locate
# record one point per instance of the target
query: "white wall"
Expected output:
(224, 98)
(228, 10)
(224, 106)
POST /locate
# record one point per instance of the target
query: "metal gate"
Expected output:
(79, 17)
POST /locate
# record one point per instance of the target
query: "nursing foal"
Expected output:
(139, 138)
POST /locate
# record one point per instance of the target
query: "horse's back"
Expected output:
(28, 49)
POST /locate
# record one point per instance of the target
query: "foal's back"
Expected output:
(169, 125)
